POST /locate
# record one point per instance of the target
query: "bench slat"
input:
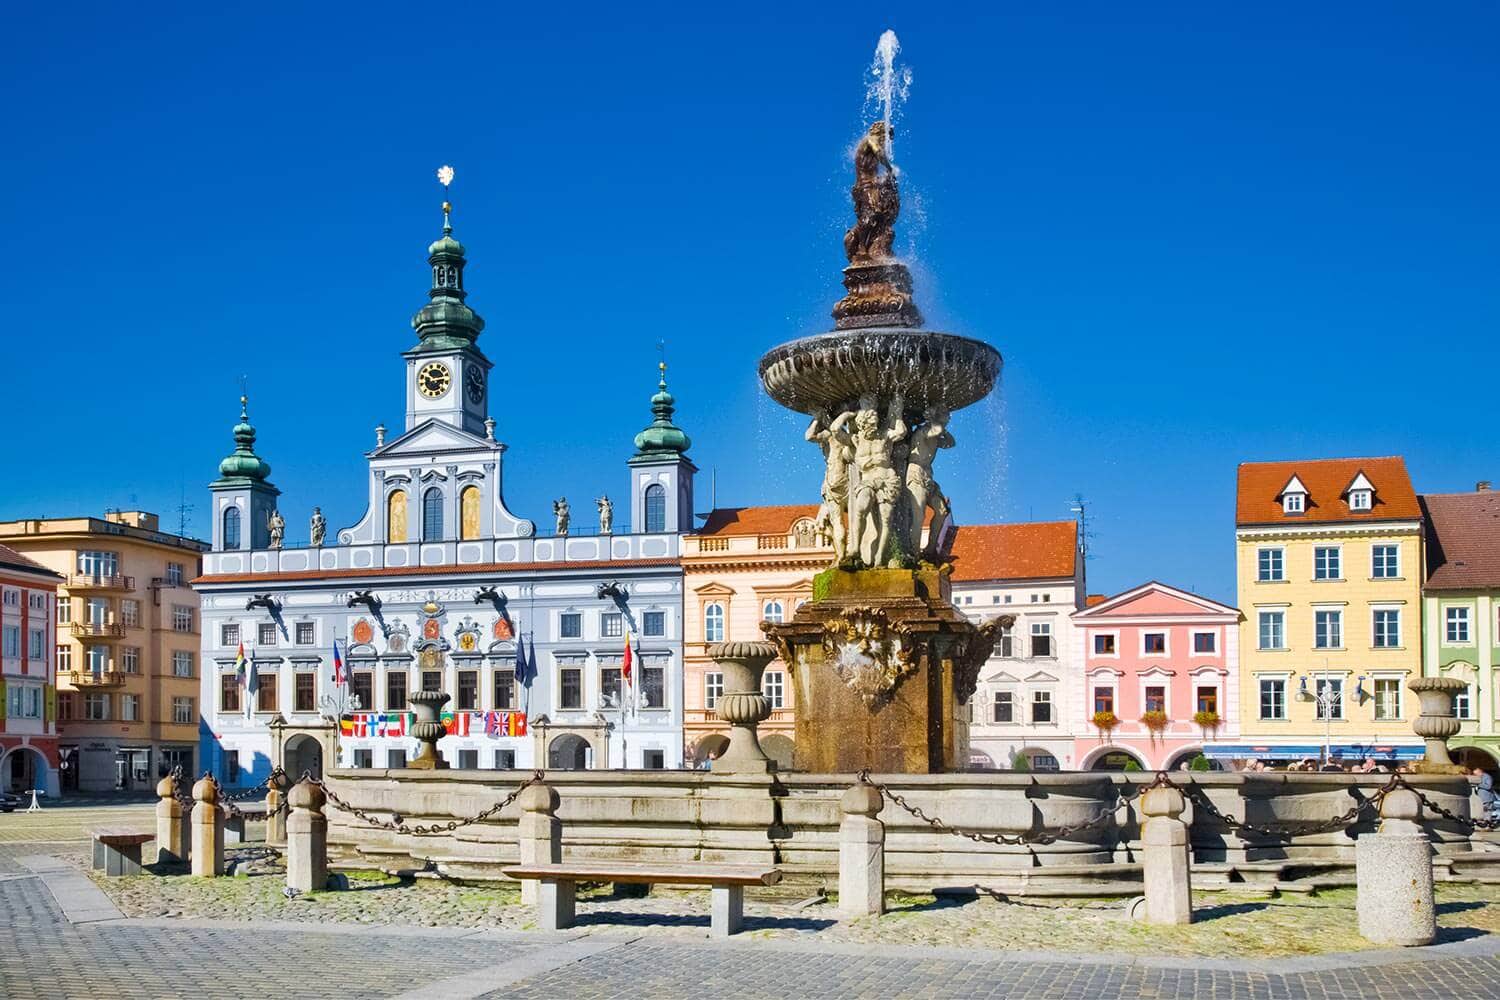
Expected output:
(607, 871)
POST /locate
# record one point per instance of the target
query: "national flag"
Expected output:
(625, 660)
(492, 723)
(395, 724)
(346, 725)
(531, 660)
(338, 665)
(523, 670)
(461, 723)
(252, 686)
(239, 666)
(518, 723)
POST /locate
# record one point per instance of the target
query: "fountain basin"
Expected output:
(831, 371)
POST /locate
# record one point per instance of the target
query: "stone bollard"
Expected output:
(540, 833)
(276, 793)
(1167, 857)
(1393, 873)
(861, 853)
(172, 830)
(306, 838)
(208, 829)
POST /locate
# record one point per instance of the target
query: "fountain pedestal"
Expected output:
(884, 667)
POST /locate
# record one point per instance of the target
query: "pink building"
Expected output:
(1160, 677)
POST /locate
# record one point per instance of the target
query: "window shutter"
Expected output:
(2, 700)
(51, 703)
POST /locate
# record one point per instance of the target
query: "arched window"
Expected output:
(775, 611)
(395, 517)
(656, 508)
(468, 512)
(231, 527)
(432, 515)
(713, 623)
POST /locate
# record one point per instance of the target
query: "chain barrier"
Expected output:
(227, 802)
(1043, 836)
(1339, 822)
(398, 825)
(1448, 814)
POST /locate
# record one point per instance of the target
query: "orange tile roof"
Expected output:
(1033, 551)
(1258, 495)
(1094, 599)
(11, 559)
(462, 569)
(776, 520)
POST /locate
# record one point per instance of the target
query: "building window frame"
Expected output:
(1270, 564)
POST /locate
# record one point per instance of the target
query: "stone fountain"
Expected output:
(883, 664)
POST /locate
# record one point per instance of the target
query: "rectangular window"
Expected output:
(1293, 503)
(654, 760)
(36, 644)
(13, 700)
(229, 693)
(364, 758)
(1388, 699)
(1330, 698)
(306, 633)
(468, 690)
(570, 625)
(713, 689)
(505, 688)
(182, 711)
(505, 760)
(1273, 698)
(653, 687)
(64, 659)
(33, 703)
(654, 624)
(1270, 567)
(229, 636)
(362, 687)
(231, 767)
(265, 634)
(98, 611)
(1387, 628)
(130, 660)
(611, 625)
(64, 610)
(773, 686)
(65, 706)
(182, 618)
(1005, 645)
(1463, 703)
(130, 708)
(98, 564)
(1385, 561)
(395, 691)
(395, 759)
(1326, 563)
(1005, 706)
(174, 574)
(1104, 645)
(1156, 699)
(468, 760)
(12, 642)
(1328, 629)
(609, 687)
(130, 612)
(1155, 643)
(1104, 700)
(1273, 630)
(1041, 706)
(182, 663)
(432, 680)
(1208, 699)
(1456, 626)
(571, 688)
(1041, 638)
(305, 693)
(1205, 642)
(265, 694)
(96, 707)
(98, 659)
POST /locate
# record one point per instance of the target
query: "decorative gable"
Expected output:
(1293, 497)
(1360, 494)
(433, 436)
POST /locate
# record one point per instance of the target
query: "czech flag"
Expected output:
(338, 664)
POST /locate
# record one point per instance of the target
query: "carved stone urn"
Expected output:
(427, 728)
(1436, 723)
(742, 705)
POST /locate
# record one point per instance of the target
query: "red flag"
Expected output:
(625, 663)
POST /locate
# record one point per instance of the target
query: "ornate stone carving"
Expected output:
(276, 525)
(879, 492)
(606, 515)
(318, 527)
(868, 653)
(561, 511)
(878, 285)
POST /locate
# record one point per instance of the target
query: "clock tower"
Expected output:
(447, 376)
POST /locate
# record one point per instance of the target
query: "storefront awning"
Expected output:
(1338, 751)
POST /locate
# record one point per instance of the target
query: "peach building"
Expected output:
(1160, 669)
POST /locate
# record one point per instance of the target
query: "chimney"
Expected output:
(1483, 486)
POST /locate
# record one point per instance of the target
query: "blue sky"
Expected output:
(1199, 235)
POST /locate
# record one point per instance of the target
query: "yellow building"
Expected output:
(1329, 569)
(127, 646)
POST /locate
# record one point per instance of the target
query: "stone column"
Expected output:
(171, 825)
(1436, 724)
(1167, 858)
(275, 818)
(306, 838)
(861, 854)
(540, 833)
(1393, 872)
(208, 829)
(742, 705)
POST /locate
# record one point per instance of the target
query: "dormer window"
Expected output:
(1293, 503)
(1359, 500)
(1361, 494)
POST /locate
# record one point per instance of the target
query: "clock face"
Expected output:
(433, 380)
(474, 383)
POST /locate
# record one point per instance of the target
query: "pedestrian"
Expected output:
(1485, 788)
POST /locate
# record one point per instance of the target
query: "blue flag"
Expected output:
(523, 670)
(531, 661)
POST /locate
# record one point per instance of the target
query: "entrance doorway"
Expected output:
(569, 752)
(68, 767)
(133, 769)
(22, 770)
(303, 755)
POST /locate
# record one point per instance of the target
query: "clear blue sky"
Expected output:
(1198, 235)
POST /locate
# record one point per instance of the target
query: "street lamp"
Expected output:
(1325, 698)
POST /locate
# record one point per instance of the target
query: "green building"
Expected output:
(1460, 605)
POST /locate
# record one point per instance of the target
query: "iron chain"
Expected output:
(1450, 815)
(396, 824)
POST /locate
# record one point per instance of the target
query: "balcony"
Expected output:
(100, 581)
(89, 679)
(98, 630)
(704, 715)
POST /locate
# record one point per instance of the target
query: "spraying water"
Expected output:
(888, 85)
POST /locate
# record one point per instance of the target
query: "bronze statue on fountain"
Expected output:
(884, 665)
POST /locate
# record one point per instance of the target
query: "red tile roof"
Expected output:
(11, 559)
(446, 570)
(1094, 599)
(1034, 551)
(1258, 496)
(1463, 540)
(757, 520)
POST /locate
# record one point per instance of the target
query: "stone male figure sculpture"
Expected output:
(921, 489)
(276, 524)
(561, 511)
(606, 515)
(880, 485)
(318, 527)
(838, 451)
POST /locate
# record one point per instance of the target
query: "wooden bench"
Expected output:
(118, 852)
(555, 896)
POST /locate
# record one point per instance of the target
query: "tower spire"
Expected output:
(446, 322)
(243, 464)
(662, 438)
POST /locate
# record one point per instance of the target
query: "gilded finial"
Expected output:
(445, 178)
(661, 367)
